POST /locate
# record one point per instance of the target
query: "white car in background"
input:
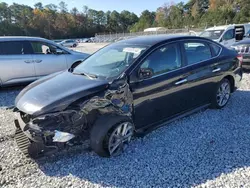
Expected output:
(227, 35)
(26, 59)
(69, 43)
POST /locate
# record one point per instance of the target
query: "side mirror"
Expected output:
(59, 51)
(145, 73)
(74, 65)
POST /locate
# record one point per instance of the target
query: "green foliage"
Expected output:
(52, 21)
(147, 19)
(56, 21)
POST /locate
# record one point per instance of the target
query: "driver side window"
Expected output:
(43, 48)
(163, 60)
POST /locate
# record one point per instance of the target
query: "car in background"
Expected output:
(69, 43)
(226, 34)
(131, 86)
(243, 48)
(88, 40)
(25, 59)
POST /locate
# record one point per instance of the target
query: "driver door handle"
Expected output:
(181, 82)
(216, 70)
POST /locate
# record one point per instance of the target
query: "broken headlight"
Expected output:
(62, 136)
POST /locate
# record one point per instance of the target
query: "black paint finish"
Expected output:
(72, 103)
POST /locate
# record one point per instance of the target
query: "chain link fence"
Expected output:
(104, 38)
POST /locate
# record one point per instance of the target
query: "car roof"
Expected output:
(24, 38)
(222, 27)
(10, 38)
(155, 39)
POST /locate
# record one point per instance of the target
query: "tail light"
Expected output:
(240, 58)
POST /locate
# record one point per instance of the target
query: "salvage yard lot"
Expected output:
(207, 149)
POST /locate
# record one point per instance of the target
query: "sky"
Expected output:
(136, 6)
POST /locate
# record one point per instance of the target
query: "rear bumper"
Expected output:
(246, 64)
(246, 61)
(238, 75)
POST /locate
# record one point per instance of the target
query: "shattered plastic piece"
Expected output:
(62, 136)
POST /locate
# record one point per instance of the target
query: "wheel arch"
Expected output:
(232, 82)
(101, 128)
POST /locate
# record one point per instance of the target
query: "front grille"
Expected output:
(242, 49)
(22, 141)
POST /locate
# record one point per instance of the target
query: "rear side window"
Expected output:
(14, 48)
(197, 52)
(216, 49)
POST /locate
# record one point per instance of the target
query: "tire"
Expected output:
(74, 45)
(220, 96)
(103, 132)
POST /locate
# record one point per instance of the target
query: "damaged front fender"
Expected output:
(114, 101)
(76, 121)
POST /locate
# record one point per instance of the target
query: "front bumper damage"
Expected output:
(36, 143)
(51, 132)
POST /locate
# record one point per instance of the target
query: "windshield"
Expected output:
(212, 34)
(110, 61)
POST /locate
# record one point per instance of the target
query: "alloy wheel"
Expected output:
(119, 138)
(223, 94)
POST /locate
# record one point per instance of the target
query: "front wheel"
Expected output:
(111, 137)
(222, 94)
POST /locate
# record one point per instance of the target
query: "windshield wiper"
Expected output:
(86, 74)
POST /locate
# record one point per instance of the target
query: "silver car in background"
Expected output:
(26, 59)
(69, 43)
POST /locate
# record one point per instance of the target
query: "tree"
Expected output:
(39, 6)
(52, 21)
(63, 7)
(146, 20)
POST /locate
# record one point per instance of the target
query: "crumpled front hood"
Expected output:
(58, 89)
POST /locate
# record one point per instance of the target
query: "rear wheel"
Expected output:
(222, 94)
(74, 45)
(111, 137)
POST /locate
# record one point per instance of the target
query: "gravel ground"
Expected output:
(207, 149)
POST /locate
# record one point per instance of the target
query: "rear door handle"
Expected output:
(216, 70)
(181, 82)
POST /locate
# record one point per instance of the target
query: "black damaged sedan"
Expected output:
(124, 89)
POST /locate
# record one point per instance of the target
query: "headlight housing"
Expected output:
(62, 136)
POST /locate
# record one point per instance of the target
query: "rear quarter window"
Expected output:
(216, 49)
